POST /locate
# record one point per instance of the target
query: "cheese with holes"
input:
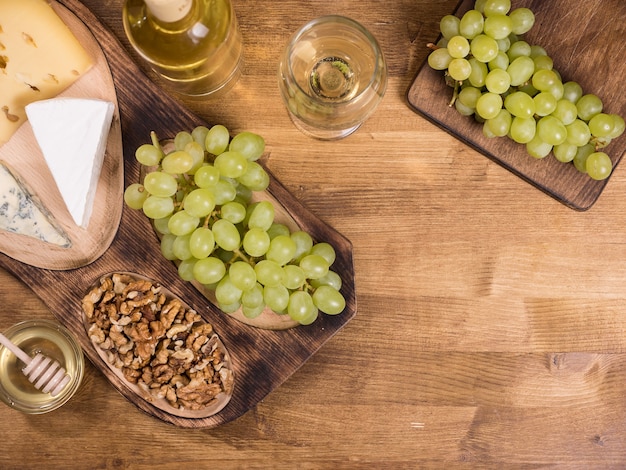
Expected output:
(21, 211)
(39, 58)
(72, 134)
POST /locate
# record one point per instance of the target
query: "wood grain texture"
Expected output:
(490, 330)
(262, 359)
(601, 40)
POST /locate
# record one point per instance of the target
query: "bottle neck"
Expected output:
(169, 11)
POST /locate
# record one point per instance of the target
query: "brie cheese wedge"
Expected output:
(72, 134)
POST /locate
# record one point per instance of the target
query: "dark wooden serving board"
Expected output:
(262, 359)
(587, 41)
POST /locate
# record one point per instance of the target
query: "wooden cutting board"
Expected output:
(587, 41)
(262, 359)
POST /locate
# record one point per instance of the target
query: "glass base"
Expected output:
(322, 134)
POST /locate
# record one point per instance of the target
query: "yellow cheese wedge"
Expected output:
(39, 58)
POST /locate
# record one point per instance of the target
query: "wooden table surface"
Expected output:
(490, 329)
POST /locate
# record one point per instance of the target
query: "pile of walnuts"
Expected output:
(157, 342)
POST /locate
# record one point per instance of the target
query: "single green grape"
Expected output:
(182, 223)
(199, 202)
(331, 279)
(523, 130)
(255, 178)
(256, 242)
(135, 195)
(242, 275)
(217, 139)
(253, 297)
(231, 164)
(519, 48)
(226, 292)
(248, 144)
(177, 162)
(471, 24)
(314, 266)
(489, 105)
(521, 70)
(459, 69)
(233, 211)
(496, 7)
(523, 20)
(601, 125)
(572, 91)
(580, 160)
(185, 269)
(226, 235)
(261, 215)
(293, 276)
(148, 155)
(578, 133)
(537, 148)
(545, 103)
(224, 191)
(469, 96)
(161, 184)
(301, 307)
(565, 111)
(206, 176)
(269, 273)
(199, 134)
(180, 247)
(281, 249)
(167, 247)
(325, 250)
(598, 165)
(498, 26)
(565, 152)
(498, 81)
(449, 26)
(500, 61)
(160, 225)
(155, 207)
(304, 243)
(478, 74)
(588, 106)
(210, 270)
(551, 130)
(201, 242)
(484, 48)
(439, 59)
(181, 139)
(500, 126)
(276, 298)
(520, 104)
(329, 300)
(458, 47)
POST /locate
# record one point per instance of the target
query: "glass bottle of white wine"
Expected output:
(194, 45)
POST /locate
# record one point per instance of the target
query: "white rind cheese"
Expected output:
(72, 134)
(22, 213)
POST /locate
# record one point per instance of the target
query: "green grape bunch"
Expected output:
(198, 194)
(513, 89)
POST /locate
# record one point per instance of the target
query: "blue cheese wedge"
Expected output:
(22, 213)
(72, 134)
